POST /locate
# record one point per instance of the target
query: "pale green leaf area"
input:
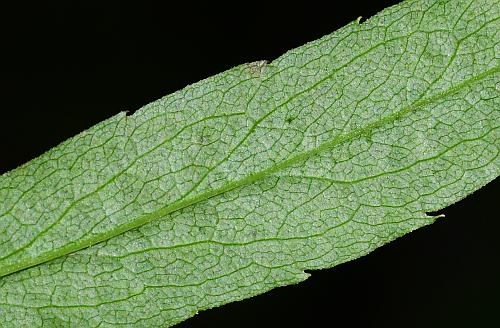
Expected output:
(236, 184)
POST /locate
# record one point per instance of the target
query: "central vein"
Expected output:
(144, 219)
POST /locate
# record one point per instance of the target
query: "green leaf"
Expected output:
(237, 184)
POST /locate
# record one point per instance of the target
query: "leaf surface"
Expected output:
(238, 183)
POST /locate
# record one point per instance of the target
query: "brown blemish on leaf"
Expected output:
(257, 67)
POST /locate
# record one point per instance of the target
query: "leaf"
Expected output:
(237, 184)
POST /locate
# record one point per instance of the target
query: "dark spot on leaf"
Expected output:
(129, 112)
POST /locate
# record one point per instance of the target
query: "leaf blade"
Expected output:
(272, 118)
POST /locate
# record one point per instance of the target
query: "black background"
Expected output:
(67, 66)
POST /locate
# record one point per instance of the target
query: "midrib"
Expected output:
(140, 221)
